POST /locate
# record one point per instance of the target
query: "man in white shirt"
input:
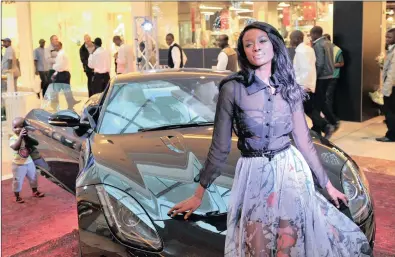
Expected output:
(9, 61)
(50, 55)
(125, 58)
(227, 58)
(304, 63)
(176, 56)
(100, 62)
(61, 79)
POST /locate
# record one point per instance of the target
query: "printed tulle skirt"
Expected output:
(274, 210)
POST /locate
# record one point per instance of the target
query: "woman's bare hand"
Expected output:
(190, 205)
(335, 195)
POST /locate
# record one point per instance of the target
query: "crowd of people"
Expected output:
(317, 68)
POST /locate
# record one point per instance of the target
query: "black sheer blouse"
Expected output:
(262, 121)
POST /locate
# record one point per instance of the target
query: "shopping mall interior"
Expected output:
(195, 25)
(357, 27)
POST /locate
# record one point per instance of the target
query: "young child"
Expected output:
(30, 144)
(22, 164)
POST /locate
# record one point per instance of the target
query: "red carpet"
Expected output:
(46, 227)
(38, 220)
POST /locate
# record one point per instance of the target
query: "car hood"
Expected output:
(157, 168)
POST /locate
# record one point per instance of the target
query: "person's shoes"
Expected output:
(38, 194)
(337, 126)
(384, 139)
(19, 200)
(328, 132)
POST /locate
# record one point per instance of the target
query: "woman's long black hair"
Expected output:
(282, 67)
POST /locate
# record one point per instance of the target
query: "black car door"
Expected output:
(59, 147)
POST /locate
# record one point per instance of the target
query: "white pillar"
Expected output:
(25, 44)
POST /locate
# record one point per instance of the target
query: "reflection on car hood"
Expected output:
(157, 168)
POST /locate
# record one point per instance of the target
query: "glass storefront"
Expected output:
(198, 24)
(390, 15)
(195, 25)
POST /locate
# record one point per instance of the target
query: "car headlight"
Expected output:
(356, 189)
(128, 220)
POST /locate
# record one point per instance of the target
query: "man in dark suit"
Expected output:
(86, 49)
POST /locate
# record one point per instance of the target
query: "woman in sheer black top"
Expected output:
(274, 209)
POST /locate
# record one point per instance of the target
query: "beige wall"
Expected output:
(167, 21)
(69, 21)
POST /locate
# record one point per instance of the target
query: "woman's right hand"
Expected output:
(190, 205)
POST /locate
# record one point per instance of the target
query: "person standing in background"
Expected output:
(325, 68)
(306, 76)
(227, 58)
(388, 87)
(100, 62)
(40, 65)
(86, 49)
(9, 62)
(125, 58)
(176, 57)
(50, 56)
(142, 62)
(61, 79)
(338, 64)
(291, 51)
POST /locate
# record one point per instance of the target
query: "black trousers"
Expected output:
(321, 100)
(44, 80)
(330, 97)
(100, 81)
(389, 112)
(89, 76)
(310, 107)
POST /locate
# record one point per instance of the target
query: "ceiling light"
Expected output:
(207, 13)
(244, 11)
(238, 9)
(282, 4)
(250, 3)
(147, 26)
(210, 7)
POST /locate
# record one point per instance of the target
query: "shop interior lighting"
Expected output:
(207, 13)
(280, 8)
(390, 12)
(281, 16)
(282, 4)
(244, 17)
(245, 11)
(147, 26)
(250, 3)
(390, 19)
(210, 7)
(240, 9)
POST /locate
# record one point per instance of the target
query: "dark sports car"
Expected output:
(133, 153)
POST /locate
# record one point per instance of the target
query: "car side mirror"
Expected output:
(66, 118)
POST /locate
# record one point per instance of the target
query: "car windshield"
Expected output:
(142, 105)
